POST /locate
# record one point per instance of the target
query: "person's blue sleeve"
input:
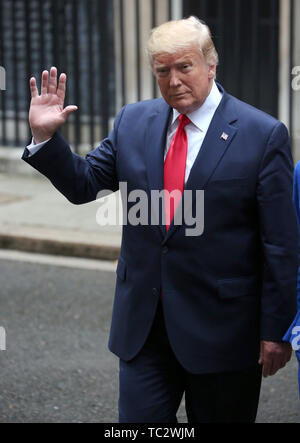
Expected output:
(297, 207)
(292, 334)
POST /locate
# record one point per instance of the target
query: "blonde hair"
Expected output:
(177, 35)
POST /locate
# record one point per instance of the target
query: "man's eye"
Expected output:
(162, 72)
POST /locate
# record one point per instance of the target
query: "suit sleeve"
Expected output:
(78, 179)
(279, 236)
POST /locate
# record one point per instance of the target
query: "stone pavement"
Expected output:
(35, 217)
(57, 368)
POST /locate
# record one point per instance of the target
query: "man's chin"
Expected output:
(183, 108)
(180, 104)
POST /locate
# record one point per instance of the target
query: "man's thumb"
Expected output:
(68, 110)
(261, 355)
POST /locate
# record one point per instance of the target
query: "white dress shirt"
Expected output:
(33, 148)
(196, 131)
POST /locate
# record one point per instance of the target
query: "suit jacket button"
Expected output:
(155, 291)
(165, 250)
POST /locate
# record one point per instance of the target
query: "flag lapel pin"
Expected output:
(224, 136)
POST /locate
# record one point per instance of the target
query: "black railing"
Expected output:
(76, 36)
(154, 20)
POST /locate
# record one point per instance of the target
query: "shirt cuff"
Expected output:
(33, 148)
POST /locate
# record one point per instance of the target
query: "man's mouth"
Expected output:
(179, 95)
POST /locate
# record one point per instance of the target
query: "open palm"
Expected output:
(47, 113)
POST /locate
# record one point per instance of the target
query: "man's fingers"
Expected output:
(53, 81)
(286, 357)
(261, 355)
(44, 87)
(61, 91)
(33, 88)
(267, 363)
(267, 368)
(272, 364)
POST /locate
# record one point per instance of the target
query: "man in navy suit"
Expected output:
(202, 315)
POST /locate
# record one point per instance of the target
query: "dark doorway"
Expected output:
(246, 34)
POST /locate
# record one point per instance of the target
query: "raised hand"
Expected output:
(47, 113)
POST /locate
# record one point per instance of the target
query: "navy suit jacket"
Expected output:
(223, 291)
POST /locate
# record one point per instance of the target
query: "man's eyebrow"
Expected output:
(184, 61)
(178, 63)
(160, 66)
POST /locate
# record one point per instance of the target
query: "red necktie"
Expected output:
(174, 169)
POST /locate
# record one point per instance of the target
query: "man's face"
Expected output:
(184, 79)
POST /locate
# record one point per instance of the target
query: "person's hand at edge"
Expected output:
(274, 356)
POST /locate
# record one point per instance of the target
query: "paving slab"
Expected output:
(35, 217)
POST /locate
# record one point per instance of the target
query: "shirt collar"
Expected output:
(202, 117)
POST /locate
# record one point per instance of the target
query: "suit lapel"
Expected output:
(155, 148)
(211, 153)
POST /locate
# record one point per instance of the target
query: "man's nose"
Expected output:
(174, 79)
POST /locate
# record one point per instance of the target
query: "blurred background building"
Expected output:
(100, 45)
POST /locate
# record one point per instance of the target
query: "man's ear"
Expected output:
(212, 70)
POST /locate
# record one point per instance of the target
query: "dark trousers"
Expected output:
(152, 387)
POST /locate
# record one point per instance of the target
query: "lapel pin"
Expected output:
(224, 136)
